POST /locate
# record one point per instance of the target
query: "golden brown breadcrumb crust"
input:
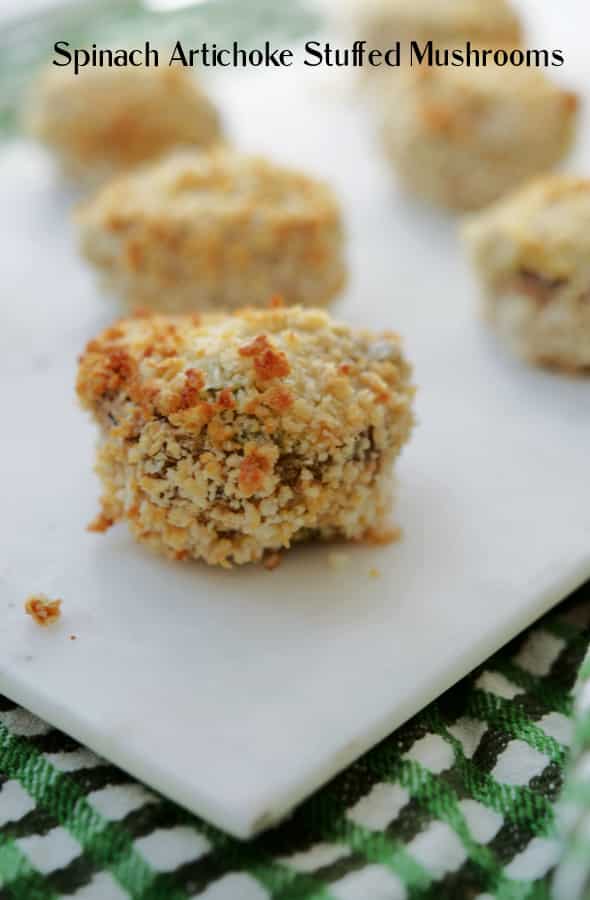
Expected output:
(215, 231)
(462, 137)
(105, 121)
(531, 252)
(230, 436)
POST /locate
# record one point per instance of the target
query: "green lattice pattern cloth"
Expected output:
(459, 803)
(573, 876)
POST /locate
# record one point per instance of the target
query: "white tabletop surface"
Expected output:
(238, 693)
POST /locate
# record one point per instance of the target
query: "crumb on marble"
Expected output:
(106, 121)
(43, 610)
(100, 524)
(272, 561)
(374, 573)
(382, 536)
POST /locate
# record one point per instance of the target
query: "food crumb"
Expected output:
(338, 560)
(374, 573)
(43, 610)
(272, 561)
(100, 524)
(73, 637)
(382, 536)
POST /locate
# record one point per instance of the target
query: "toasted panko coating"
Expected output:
(104, 121)
(532, 254)
(215, 231)
(228, 437)
(462, 137)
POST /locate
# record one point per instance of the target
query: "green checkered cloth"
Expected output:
(459, 803)
(572, 881)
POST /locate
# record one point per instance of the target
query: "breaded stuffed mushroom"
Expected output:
(106, 120)
(215, 231)
(231, 436)
(461, 138)
(532, 253)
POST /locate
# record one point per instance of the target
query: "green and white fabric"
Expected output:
(573, 876)
(459, 803)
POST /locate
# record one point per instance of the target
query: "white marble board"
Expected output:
(239, 693)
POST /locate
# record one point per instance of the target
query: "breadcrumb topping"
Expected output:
(215, 230)
(42, 610)
(104, 121)
(531, 253)
(463, 137)
(207, 454)
(542, 228)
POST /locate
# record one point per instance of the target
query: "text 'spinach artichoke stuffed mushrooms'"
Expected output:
(215, 231)
(229, 436)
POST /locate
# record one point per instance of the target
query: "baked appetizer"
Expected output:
(228, 437)
(461, 138)
(106, 120)
(219, 230)
(532, 254)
